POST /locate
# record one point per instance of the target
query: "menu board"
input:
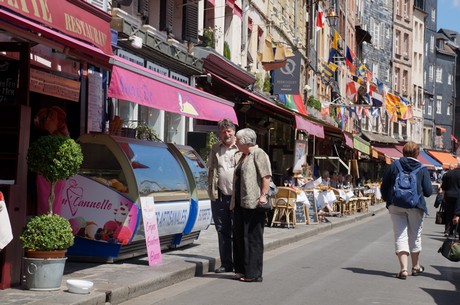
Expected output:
(312, 212)
(8, 81)
(300, 213)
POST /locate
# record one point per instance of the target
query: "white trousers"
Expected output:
(407, 228)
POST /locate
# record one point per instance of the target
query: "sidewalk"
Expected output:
(118, 282)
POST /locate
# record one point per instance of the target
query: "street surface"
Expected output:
(349, 265)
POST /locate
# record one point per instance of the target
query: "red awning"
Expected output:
(253, 97)
(11, 22)
(389, 151)
(311, 128)
(140, 85)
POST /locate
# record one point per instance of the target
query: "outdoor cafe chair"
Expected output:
(284, 207)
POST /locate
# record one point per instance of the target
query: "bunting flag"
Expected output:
(391, 103)
(352, 91)
(349, 58)
(404, 109)
(328, 71)
(362, 69)
(320, 18)
(294, 102)
(377, 99)
(325, 111)
(335, 40)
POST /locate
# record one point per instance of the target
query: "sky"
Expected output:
(448, 15)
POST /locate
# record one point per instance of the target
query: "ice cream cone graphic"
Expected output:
(186, 107)
(74, 194)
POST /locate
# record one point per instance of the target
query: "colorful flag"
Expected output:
(335, 40)
(320, 18)
(404, 109)
(391, 103)
(352, 90)
(349, 58)
(325, 111)
(362, 69)
(328, 71)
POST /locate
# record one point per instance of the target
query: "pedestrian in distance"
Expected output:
(221, 166)
(250, 188)
(407, 206)
(450, 186)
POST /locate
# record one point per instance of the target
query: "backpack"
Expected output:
(405, 193)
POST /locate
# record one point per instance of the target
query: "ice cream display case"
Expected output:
(103, 202)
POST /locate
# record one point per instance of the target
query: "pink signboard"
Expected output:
(152, 239)
(99, 212)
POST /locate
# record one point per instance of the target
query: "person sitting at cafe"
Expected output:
(325, 179)
(348, 182)
(334, 182)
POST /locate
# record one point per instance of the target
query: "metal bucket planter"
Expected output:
(43, 273)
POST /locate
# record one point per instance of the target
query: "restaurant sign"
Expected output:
(67, 18)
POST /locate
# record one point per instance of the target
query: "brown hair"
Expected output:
(52, 112)
(411, 149)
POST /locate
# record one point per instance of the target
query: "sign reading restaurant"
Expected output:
(65, 17)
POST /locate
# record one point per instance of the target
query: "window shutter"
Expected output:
(190, 21)
(166, 15)
(143, 9)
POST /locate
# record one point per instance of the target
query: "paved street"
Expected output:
(348, 265)
(349, 258)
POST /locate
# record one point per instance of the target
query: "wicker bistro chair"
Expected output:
(284, 207)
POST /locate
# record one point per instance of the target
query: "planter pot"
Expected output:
(43, 273)
(45, 254)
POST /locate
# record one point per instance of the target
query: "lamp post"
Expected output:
(332, 18)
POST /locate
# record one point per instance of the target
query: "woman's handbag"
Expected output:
(450, 248)
(271, 193)
(440, 216)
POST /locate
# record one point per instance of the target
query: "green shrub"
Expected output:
(47, 232)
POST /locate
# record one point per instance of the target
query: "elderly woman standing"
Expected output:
(251, 184)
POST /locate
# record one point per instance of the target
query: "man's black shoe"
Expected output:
(223, 269)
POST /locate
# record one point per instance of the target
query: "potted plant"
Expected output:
(49, 235)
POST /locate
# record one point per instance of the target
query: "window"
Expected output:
(406, 46)
(449, 110)
(397, 7)
(431, 73)
(397, 43)
(439, 104)
(439, 74)
(431, 43)
(449, 79)
(404, 82)
(396, 80)
(430, 107)
(433, 15)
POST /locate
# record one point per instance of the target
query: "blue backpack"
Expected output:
(405, 193)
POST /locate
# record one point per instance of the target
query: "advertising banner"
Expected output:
(286, 80)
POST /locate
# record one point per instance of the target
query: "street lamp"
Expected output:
(332, 18)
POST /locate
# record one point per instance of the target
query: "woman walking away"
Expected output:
(250, 188)
(406, 205)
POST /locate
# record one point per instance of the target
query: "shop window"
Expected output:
(174, 128)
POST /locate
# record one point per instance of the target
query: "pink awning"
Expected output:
(348, 140)
(140, 85)
(311, 128)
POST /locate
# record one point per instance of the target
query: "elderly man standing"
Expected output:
(221, 165)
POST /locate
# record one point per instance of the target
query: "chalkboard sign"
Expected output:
(9, 70)
(300, 215)
(312, 212)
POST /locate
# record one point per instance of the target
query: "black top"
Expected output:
(451, 183)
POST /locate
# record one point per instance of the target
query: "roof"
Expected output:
(380, 138)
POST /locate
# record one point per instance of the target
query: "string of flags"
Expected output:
(363, 88)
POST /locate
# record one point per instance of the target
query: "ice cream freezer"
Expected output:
(103, 202)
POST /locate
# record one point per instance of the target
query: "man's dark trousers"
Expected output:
(223, 221)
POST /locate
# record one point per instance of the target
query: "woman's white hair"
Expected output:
(246, 136)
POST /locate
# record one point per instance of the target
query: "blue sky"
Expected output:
(448, 15)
